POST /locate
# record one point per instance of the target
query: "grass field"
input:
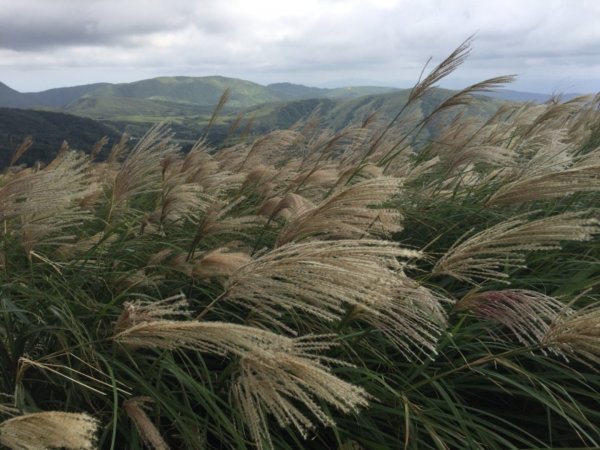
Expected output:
(310, 288)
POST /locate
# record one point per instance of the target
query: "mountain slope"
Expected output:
(135, 109)
(51, 98)
(49, 130)
(338, 113)
(197, 90)
(518, 96)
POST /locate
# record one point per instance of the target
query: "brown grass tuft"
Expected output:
(40, 431)
(486, 254)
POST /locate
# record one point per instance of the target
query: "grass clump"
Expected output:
(310, 289)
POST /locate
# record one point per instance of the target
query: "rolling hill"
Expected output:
(204, 91)
(51, 98)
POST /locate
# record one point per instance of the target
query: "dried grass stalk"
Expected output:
(527, 314)
(278, 373)
(576, 334)
(46, 192)
(134, 408)
(486, 254)
(348, 213)
(40, 431)
(141, 172)
(548, 186)
(140, 311)
(324, 279)
(219, 263)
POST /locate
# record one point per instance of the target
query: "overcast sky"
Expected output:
(553, 45)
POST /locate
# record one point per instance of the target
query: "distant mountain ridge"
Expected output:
(519, 96)
(192, 90)
(51, 98)
(188, 102)
(205, 91)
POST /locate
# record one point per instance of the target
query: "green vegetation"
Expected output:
(312, 288)
(48, 130)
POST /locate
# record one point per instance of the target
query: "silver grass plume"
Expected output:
(292, 205)
(21, 150)
(43, 206)
(141, 172)
(52, 429)
(349, 213)
(179, 200)
(527, 314)
(219, 263)
(42, 193)
(218, 221)
(148, 432)
(576, 334)
(461, 98)
(141, 311)
(553, 177)
(486, 254)
(443, 69)
(278, 374)
(325, 278)
(270, 148)
(202, 168)
(548, 186)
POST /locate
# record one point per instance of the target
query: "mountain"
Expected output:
(289, 91)
(196, 90)
(135, 109)
(48, 130)
(203, 91)
(518, 96)
(51, 98)
(338, 113)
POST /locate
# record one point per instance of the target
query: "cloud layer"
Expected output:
(551, 44)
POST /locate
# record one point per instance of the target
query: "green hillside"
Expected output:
(48, 131)
(197, 90)
(338, 113)
(51, 98)
(358, 91)
(134, 109)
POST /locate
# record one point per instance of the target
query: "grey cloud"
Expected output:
(312, 39)
(30, 25)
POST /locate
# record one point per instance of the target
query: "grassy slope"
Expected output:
(197, 90)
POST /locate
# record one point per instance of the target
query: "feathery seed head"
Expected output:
(527, 314)
(53, 429)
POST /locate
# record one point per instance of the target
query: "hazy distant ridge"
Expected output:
(193, 90)
(206, 91)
